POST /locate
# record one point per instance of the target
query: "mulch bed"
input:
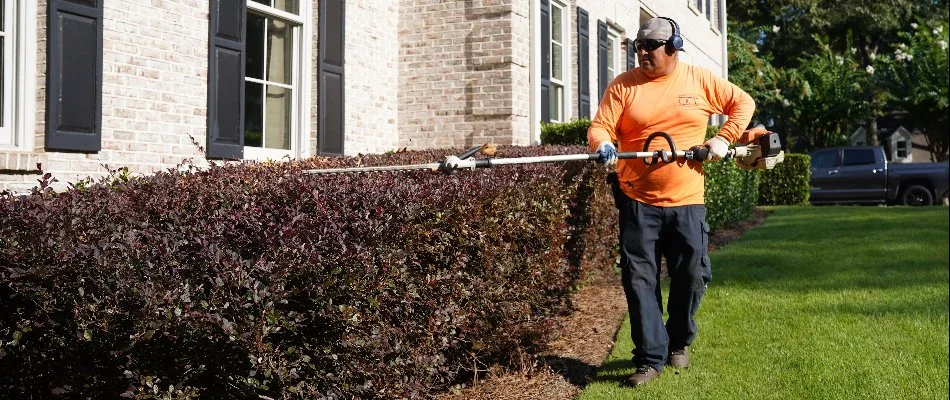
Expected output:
(583, 343)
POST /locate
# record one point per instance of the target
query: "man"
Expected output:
(662, 209)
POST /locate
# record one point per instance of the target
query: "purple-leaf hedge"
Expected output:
(254, 279)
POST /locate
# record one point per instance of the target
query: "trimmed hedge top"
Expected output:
(256, 280)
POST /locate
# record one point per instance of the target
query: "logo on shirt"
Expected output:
(688, 101)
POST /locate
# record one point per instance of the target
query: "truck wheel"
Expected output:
(917, 195)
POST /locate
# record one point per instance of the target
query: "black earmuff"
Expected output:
(675, 42)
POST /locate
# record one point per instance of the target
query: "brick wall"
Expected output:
(521, 74)
(457, 79)
(154, 93)
(372, 72)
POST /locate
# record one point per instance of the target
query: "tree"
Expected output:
(789, 34)
(788, 25)
(918, 74)
(753, 72)
(829, 91)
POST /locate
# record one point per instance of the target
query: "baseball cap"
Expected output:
(655, 28)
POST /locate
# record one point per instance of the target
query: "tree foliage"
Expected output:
(818, 69)
(917, 75)
(829, 93)
(872, 25)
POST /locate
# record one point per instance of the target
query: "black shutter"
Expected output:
(583, 64)
(545, 60)
(74, 86)
(331, 112)
(602, 57)
(226, 79)
(631, 54)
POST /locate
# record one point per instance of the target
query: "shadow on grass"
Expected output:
(615, 372)
(867, 249)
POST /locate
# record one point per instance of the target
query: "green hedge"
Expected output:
(573, 132)
(787, 183)
(731, 193)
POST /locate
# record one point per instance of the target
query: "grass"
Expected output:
(816, 303)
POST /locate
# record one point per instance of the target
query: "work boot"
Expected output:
(679, 358)
(643, 375)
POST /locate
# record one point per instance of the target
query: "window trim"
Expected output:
(8, 99)
(901, 145)
(613, 39)
(559, 87)
(715, 16)
(22, 106)
(300, 83)
(696, 9)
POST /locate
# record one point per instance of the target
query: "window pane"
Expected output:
(280, 52)
(253, 114)
(3, 61)
(290, 6)
(557, 58)
(3, 83)
(902, 149)
(254, 60)
(858, 156)
(610, 58)
(824, 159)
(278, 118)
(556, 33)
(557, 98)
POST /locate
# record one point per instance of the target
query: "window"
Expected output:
(613, 53)
(272, 83)
(16, 30)
(824, 159)
(7, 32)
(702, 7)
(901, 149)
(717, 20)
(558, 56)
(858, 156)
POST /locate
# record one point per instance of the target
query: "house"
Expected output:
(93, 85)
(902, 143)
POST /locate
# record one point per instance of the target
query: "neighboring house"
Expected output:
(901, 141)
(898, 145)
(92, 85)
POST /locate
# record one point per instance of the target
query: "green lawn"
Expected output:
(816, 303)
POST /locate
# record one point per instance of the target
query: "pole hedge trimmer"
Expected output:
(761, 151)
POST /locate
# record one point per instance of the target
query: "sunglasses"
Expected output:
(648, 44)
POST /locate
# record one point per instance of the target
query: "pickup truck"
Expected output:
(863, 175)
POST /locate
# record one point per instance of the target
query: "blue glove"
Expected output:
(608, 154)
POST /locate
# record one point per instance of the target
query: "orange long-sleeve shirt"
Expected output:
(634, 106)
